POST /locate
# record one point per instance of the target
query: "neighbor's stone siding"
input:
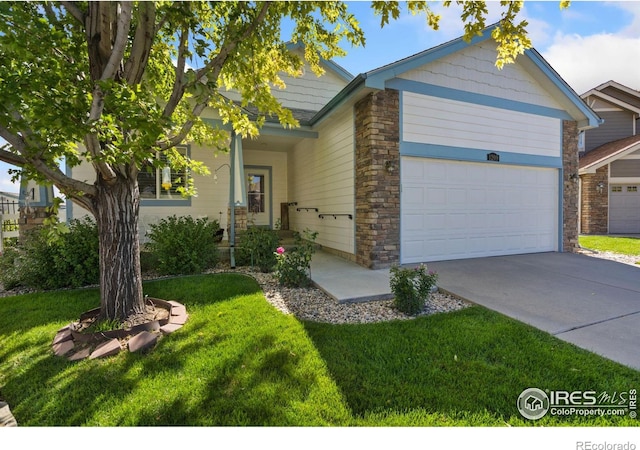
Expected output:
(571, 186)
(377, 123)
(594, 215)
(31, 218)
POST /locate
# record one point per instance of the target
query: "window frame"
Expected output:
(163, 201)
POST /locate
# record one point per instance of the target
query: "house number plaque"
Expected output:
(493, 157)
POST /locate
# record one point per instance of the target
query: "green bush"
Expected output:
(9, 271)
(184, 245)
(41, 261)
(293, 267)
(256, 248)
(411, 288)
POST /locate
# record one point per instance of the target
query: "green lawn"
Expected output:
(622, 245)
(239, 361)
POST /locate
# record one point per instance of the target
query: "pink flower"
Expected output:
(280, 250)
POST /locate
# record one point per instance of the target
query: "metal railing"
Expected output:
(9, 224)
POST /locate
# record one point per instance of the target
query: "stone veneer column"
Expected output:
(240, 219)
(377, 183)
(570, 232)
(31, 218)
(594, 215)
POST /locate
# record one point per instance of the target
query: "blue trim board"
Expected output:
(377, 77)
(478, 99)
(267, 129)
(476, 155)
(560, 209)
(552, 75)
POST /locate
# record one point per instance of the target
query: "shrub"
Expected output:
(52, 261)
(255, 248)
(411, 287)
(293, 267)
(9, 271)
(183, 245)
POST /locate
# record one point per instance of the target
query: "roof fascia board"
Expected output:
(353, 88)
(591, 168)
(611, 99)
(376, 78)
(590, 119)
(620, 87)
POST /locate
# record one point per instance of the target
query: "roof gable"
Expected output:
(564, 97)
(615, 94)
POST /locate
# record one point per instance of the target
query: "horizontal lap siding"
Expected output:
(438, 121)
(321, 176)
(617, 125)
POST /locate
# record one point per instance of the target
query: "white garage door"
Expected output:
(624, 209)
(456, 210)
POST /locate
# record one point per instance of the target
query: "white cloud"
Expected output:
(587, 61)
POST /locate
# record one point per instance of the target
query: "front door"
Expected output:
(259, 195)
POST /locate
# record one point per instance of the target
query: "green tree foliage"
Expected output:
(118, 83)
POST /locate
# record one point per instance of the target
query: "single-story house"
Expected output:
(433, 157)
(610, 162)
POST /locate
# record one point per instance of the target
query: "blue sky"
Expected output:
(587, 44)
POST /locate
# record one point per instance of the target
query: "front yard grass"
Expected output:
(238, 361)
(615, 244)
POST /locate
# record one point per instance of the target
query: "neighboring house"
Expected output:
(610, 164)
(437, 156)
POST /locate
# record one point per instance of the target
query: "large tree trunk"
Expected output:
(117, 208)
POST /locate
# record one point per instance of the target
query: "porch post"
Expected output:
(237, 191)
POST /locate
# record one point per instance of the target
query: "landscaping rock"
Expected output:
(63, 348)
(109, 348)
(179, 320)
(80, 354)
(169, 328)
(6, 417)
(143, 341)
(178, 310)
(63, 335)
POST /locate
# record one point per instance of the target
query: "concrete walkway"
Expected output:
(590, 302)
(348, 282)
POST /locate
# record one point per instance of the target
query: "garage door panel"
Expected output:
(476, 209)
(624, 209)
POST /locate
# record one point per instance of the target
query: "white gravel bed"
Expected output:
(625, 259)
(314, 305)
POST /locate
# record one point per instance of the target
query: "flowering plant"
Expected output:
(411, 287)
(293, 268)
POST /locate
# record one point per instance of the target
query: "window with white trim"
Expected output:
(162, 183)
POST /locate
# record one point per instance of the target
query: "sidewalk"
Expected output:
(346, 281)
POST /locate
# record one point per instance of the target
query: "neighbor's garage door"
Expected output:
(455, 210)
(624, 209)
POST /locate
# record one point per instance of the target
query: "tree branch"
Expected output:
(186, 127)
(228, 47)
(12, 158)
(213, 68)
(120, 42)
(142, 42)
(179, 83)
(21, 159)
(75, 11)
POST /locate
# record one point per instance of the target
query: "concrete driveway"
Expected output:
(591, 302)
